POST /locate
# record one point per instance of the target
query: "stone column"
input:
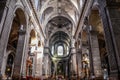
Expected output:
(39, 66)
(66, 69)
(73, 57)
(110, 18)
(74, 65)
(34, 64)
(49, 66)
(87, 29)
(69, 68)
(46, 60)
(19, 56)
(25, 56)
(114, 19)
(95, 54)
(79, 59)
(40, 63)
(55, 67)
(73, 52)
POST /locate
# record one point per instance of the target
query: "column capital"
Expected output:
(79, 51)
(46, 50)
(73, 50)
(73, 42)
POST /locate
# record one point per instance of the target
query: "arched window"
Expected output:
(67, 50)
(36, 4)
(81, 3)
(60, 50)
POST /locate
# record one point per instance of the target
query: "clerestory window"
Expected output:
(60, 50)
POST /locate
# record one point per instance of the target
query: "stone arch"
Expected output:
(63, 14)
(17, 12)
(9, 63)
(19, 9)
(57, 40)
(48, 5)
(55, 32)
(45, 7)
(47, 11)
(20, 19)
(17, 35)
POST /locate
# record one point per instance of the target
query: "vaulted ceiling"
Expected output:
(59, 20)
(66, 8)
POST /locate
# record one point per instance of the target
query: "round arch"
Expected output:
(50, 5)
(68, 36)
(22, 13)
(15, 27)
(47, 11)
